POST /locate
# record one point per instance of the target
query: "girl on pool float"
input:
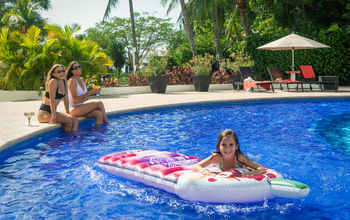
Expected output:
(228, 156)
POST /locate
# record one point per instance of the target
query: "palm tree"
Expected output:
(2, 9)
(88, 53)
(241, 6)
(67, 33)
(6, 4)
(203, 9)
(188, 26)
(39, 58)
(11, 63)
(25, 59)
(22, 14)
(232, 26)
(68, 44)
(216, 30)
(117, 53)
(111, 4)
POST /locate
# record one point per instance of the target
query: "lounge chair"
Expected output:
(249, 81)
(308, 74)
(277, 78)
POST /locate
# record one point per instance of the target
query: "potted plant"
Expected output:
(157, 72)
(202, 68)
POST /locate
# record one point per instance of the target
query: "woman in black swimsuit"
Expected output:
(56, 90)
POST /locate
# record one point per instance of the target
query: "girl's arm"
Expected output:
(72, 86)
(52, 92)
(259, 169)
(91, 92)
(200, 166)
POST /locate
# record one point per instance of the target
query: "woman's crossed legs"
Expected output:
(91, 110)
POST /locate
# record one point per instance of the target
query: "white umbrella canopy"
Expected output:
(292, 42)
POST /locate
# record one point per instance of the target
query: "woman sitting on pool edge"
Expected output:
(228, 156)
(56, 89)
(78, 94)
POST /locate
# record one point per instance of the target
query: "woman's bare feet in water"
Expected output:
(105, 119)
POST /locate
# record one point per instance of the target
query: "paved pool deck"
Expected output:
(14, 126)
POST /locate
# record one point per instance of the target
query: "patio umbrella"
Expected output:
(292, 42)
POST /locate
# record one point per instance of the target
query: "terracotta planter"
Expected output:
(158, 83)
(201, 83)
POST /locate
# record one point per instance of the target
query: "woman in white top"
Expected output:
(78, 95)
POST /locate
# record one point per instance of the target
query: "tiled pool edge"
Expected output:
(15, 141)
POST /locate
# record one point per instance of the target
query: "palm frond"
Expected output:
(111, 4)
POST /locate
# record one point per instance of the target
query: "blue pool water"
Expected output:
(55, 175)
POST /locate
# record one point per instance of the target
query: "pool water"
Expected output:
(335, 129)
(55, 174)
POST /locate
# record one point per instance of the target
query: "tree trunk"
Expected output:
(241, 5)
(216, 32)
(188, 28)
(133, 32)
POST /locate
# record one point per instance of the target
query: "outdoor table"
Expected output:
(292, 73)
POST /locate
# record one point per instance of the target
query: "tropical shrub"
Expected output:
(220, 77)
(156, 65)
(201, 65)
(137, 80)
(231, 65)
(109, 82)
(180, 76)
(25, 58)
(88, 53)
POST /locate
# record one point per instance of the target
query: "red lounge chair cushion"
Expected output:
(307, 72)
(248, 85)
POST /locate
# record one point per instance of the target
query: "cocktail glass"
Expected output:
(97, 88)
(29, 115)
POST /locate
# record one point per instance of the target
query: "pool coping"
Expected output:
(14, 128)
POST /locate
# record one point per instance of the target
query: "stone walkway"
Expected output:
(14, 126)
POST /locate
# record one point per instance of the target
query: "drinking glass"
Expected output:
(97, 88)
(29, 115)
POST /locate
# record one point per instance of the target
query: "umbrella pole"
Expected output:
(292, 76)
(292, 58)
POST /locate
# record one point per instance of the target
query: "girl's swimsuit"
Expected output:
(47, 108)
(80, 92)
(58, 95)
(238, 165)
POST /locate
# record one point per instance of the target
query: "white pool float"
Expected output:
(172, 172)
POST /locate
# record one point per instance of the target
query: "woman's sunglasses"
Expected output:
(76, 67)
(61, 71)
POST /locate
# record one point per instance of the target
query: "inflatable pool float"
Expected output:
(172, 172)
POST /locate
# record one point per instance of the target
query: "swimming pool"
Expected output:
(55, 175)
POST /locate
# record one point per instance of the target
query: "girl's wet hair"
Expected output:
(70, 68)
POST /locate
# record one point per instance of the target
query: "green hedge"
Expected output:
(325, 61)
